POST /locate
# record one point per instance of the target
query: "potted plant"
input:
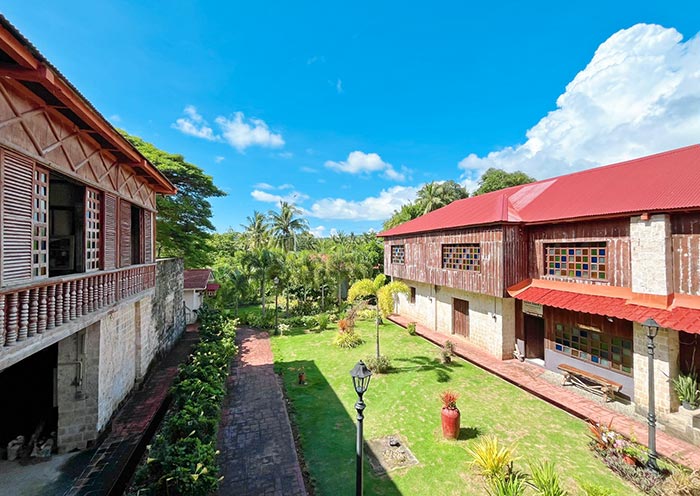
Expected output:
(301, 376)
(686, 387)
(450, 414)
(448, 350)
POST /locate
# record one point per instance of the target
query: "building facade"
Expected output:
(81, 313)
(566, 269)
(199, 283)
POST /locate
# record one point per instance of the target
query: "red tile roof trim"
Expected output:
(682, 314)
(658, 183)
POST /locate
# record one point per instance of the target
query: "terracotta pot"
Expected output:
(302, 377)
(629, 460)
(450, 423)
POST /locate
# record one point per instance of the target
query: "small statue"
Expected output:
(13, 447)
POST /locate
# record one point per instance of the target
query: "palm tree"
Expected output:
(285, 226)
(256, 231)
(262, 262)
(431, 197)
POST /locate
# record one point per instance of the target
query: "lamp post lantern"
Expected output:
(276, 280)
(361, 376)
(652, 328)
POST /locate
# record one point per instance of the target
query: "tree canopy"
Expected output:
(183, 222)
(496, 179)
(430, 197)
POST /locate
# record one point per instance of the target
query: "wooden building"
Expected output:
(566, 269)
(77, 265)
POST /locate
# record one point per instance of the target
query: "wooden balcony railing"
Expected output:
(43, 305)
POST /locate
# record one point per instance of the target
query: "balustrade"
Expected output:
(47, 304)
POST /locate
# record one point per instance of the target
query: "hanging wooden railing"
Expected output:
(33, 309)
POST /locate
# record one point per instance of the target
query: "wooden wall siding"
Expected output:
(615, 232)
(515, 255)
(423, 262)
(686, 263)
(124, 233)
(17, 218)
(685, 223)
(44, 134)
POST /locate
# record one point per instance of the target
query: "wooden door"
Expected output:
(534, 337)
(460, 317)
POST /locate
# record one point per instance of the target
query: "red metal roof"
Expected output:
(662, 182)
(197, 278)
(678, 318)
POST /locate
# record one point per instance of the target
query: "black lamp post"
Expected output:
(361, 376)
(276, 280)
(652, 328)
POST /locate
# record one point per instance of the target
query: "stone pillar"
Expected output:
(77, 388)
(652, 255)
(507, 318)
(665, 368)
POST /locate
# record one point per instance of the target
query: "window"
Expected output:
(40, 242)
(92, 229)
(412, 298)
(604, 350)
(466, 256)
(398, 254)
(577, 260)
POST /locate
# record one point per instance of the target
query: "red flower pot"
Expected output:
(450, 423)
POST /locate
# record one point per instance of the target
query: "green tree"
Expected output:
(285, 226)
(263, 264)
(496, 179)
(430, 197)
(256, 232)
(183, 222)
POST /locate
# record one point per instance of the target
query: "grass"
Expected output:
(406, 401)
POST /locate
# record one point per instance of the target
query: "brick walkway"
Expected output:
(528, 377)
(258, 457)
(133, 426)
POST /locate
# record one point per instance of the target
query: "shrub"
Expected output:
(686, 387)
(511, 484)
(347, 339)
(411, 328)
(366, 314)
(379, 365)
(449, 399)
(344, 325)
(447, 351)
(545, 480)
(322, 321)
(491, 459)
(683, 483)
(591, 489)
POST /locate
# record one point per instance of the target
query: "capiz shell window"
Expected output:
(463, 256)
(577, 260)
(398, 254)
(601, 349)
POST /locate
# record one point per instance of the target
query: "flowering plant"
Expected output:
(449, 399)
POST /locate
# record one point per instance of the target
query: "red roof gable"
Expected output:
(666, 181)
(197, 278)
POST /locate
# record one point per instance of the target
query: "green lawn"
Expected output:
(406, 401)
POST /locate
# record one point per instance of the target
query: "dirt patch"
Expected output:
(389, 453)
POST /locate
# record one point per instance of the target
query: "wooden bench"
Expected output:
(590, 382)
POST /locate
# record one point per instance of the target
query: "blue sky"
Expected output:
(347, 109)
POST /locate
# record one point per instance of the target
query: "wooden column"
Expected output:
(51, 307)
(12, 314)
(43, 317)
(33, 312)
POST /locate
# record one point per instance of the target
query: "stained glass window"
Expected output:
(465, 256)
(603, 350)
(577, 260)
(398, 254)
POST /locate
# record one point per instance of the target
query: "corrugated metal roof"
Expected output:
(678, 318)
(197, 278)
(661, 182)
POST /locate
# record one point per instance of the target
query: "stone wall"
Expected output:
(491, 319)
(167, 314)
(665, 367)
(652, 256)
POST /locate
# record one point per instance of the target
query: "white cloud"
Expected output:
(240, 132)
(264, 186)
(115, 118)
(285, 155)
(310, 170)
(372, 208)
(317, 231)
(316, 58)
(365, 163)
(339, 86)
(291, 197)
(218, 159)
(194, 125)
(640, 94)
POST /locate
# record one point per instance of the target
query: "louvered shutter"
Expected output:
(124, 233)
(93, 221)
(109, 231)
(18, 174)
(147, 236)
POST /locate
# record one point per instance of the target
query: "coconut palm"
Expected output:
(285, 226)
(256, 231)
